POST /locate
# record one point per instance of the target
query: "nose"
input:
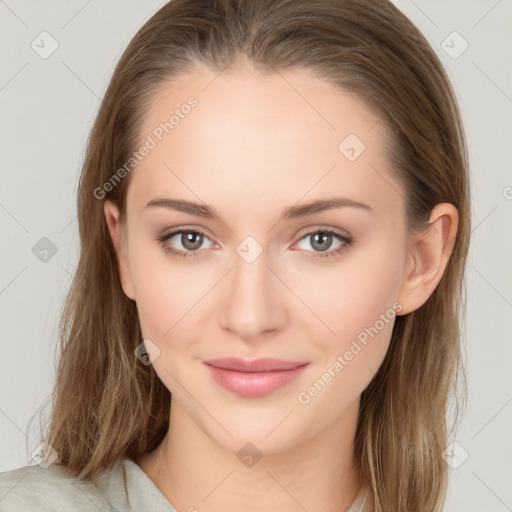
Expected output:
(254, 300)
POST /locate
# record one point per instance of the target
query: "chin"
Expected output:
(272, 432)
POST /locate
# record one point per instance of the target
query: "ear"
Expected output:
(428, 255)
(116, 233)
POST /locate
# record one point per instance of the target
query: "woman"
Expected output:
(274, 220)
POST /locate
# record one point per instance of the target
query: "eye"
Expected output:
(189, 239)
(321, 239)
(192, 240)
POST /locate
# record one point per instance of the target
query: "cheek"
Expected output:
(355, 305)
(354, 293)
(349, 359)
(165, 291)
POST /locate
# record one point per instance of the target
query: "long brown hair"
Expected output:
(106, 404)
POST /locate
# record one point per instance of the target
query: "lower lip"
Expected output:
(254, 384)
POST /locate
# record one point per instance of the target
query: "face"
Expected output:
(316, 286)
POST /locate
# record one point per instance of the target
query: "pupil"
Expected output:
(327, 238)
(187, 239)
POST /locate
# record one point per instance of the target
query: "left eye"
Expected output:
(322, 240)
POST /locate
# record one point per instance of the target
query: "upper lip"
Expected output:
(256, 365)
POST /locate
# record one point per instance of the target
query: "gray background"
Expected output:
(47, 109)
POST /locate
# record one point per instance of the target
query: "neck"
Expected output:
(194, 472)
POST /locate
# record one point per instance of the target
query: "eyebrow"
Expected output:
(292, 212)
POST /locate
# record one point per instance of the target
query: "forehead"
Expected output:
(276, 137)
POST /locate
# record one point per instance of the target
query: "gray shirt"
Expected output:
(123, 488)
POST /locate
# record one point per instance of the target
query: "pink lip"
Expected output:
(255, 378)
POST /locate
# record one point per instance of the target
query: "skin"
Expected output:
(253, 146)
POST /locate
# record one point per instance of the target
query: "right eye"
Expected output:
(191, 240)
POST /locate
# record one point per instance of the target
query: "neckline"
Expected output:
(140, 487)
(142, 492)
(360, 503)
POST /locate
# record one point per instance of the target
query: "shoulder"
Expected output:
(49, 489)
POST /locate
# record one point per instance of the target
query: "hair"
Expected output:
(106, 404)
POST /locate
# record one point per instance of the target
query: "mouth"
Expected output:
(256, 378)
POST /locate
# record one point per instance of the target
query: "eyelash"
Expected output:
(347, 242)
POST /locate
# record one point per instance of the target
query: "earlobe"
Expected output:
(428, 255)
(114, 226)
